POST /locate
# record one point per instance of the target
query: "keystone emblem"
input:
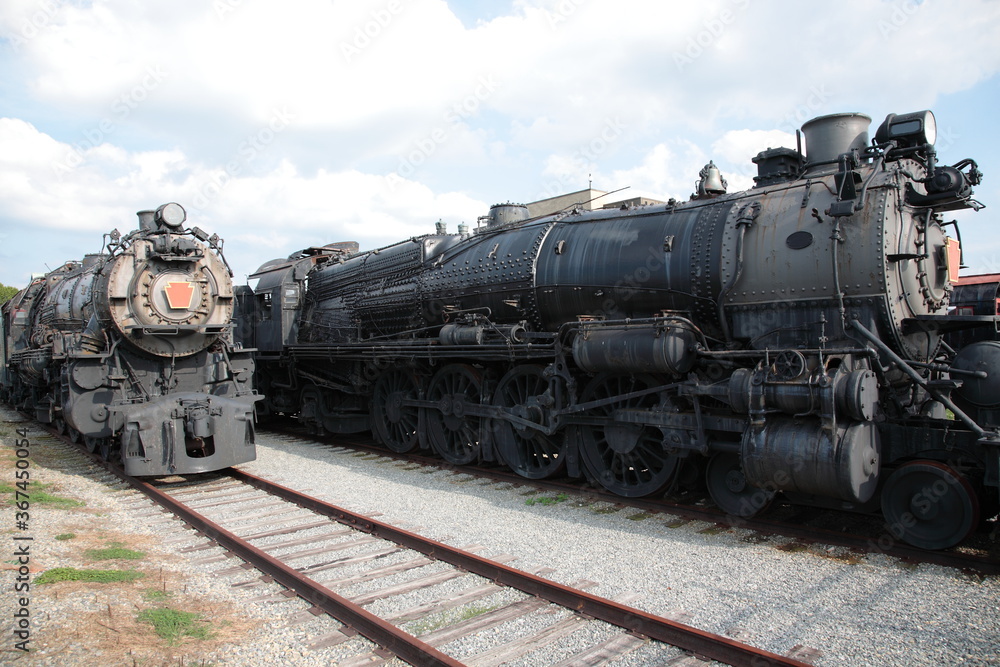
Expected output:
(179, 294)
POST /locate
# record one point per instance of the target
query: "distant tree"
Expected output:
(6, 293)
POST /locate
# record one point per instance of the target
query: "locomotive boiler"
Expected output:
(131, 351)
(786, 339)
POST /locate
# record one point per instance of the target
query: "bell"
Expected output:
(711, 181)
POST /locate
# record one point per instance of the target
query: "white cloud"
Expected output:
(393, 69)
(667, 170)
(739, 146)
(156, 101)
(101, 187)
(734, 151)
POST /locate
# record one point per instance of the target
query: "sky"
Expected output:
(285, 125)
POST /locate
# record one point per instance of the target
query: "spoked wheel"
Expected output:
(59, 424)
(74, 435)
(396, 424)
(627, 459)
(91, 443)
(527, 451)
(452, 432)
(730, 489)
(929, 505)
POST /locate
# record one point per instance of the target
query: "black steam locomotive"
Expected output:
(786, 339)
(131, 351)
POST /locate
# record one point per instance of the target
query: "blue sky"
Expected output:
(281, 126)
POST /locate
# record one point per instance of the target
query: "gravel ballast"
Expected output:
(867, 610)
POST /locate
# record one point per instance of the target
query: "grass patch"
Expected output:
(547, 500)
(38, 495)
(157, 595)
(640, 516)
(65, 536)
(57, 574)
(427, 625)
(113, 552)
(173, 624)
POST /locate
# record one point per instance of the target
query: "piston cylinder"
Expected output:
(853, 393)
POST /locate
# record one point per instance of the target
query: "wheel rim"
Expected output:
(452, 432)
(626, 459)
(396, 423)
(731, 491)
(528, 452)
(929, 505)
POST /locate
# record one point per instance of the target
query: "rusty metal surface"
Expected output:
(381, 632)
(655, 627)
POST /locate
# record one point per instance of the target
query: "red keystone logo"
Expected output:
(179, 294)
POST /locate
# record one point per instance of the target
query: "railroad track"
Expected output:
(244, 514)
(322, 553)
(795, 523)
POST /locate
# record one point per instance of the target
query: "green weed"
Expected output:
(37, 495)
(547, 500)
(113, 552)
(57, 574)
(426, 625)
(173, 624)
(157, 595)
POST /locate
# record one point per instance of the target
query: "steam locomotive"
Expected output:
(786, 339)
(131, 351)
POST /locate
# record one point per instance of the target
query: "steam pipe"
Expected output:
(906, 368)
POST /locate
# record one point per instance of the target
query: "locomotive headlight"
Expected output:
(908, 129)
(171, 215)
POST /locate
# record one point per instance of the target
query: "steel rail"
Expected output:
(383, 633)
(700, 642)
